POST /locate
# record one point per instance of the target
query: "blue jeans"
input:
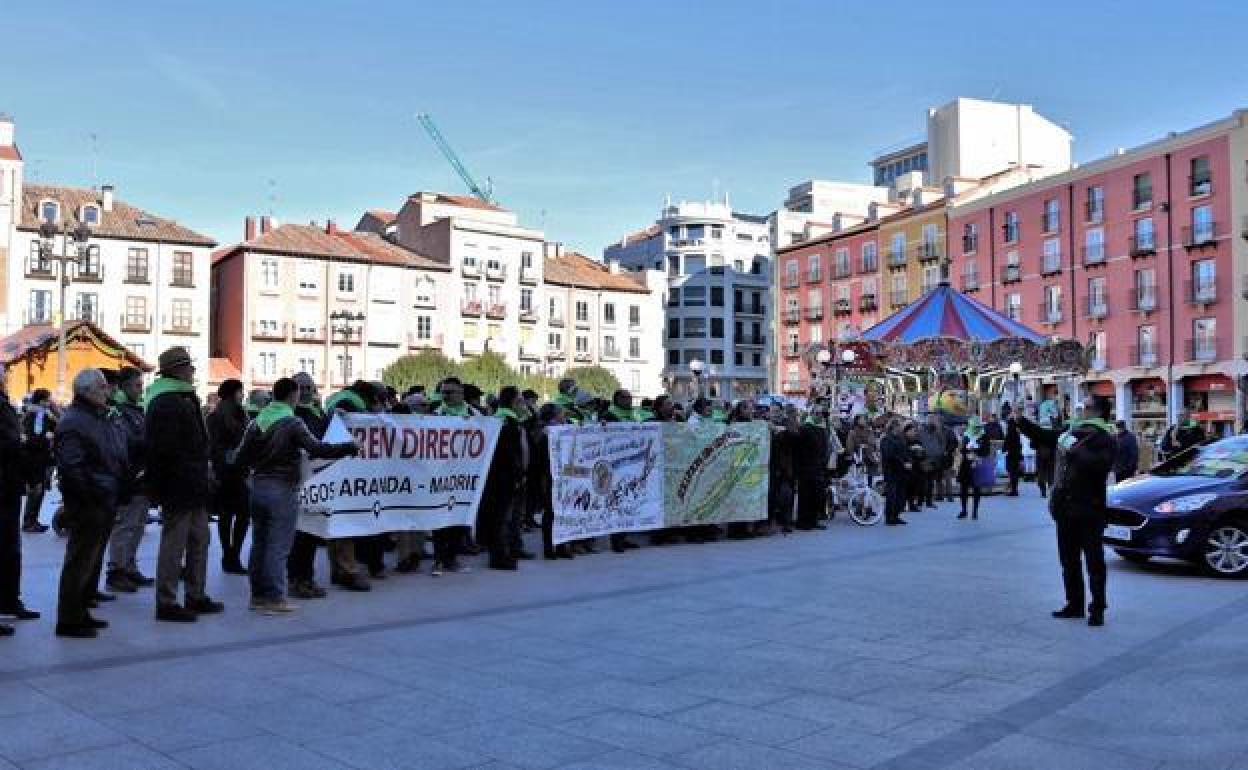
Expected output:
(274, 514)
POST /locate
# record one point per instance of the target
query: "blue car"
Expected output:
(1192, 507)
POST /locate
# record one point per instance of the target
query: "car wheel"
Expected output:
(1134, 558)
(1226, 550)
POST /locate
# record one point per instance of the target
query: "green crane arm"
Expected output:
(426, 121)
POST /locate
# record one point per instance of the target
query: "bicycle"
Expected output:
(862, 500)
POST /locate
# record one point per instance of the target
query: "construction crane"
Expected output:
(486, 194)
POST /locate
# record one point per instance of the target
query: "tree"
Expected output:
(426, 368)
(594, 379)
(489, 372)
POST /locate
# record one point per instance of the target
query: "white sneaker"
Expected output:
(437, 570)
(279, 607)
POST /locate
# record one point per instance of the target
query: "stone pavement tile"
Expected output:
(872, 650)
(738, 755)
(529, 704)
(267, 751)
(397, 749)
(645, 699)
(21, 698)
(749, 724)
(619, 760)
(338, 685)
(826, 709)
(1211, 746)
(264, 661)
(538, 674)
(722, 686)
(1021, 752)
(423, 713)
(179, 727)
(127, 756)
(925, 729)
(849, 747)
(634, 668)
(302, 718)
(643, 734)
(525, 745)
(51, 731)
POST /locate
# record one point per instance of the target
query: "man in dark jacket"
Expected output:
(1084, 456)
(38, 427)
(896, 465)
(1013, 448)
(1127, 459)
(179, 479)
(93, 464)
(123, 570)
(496, 526)
(272, 447)
(226, 424)
(1183, 435)
(301, 564)
(12, 482)
(812, 470)
(786, 432)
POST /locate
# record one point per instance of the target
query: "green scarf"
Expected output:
(644, 415)
(506, 414)
(121, 399)
(810, 419)
(314, 408)
(446, 410)
(350, 396)
(269, 415)
(719, 415)
(1095, 422)
(565, 401)
(974, 428)
(163, 385)
(623, 415)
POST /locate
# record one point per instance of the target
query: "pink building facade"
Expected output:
(1140, 255)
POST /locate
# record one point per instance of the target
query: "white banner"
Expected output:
(607, 479)
(413, 473)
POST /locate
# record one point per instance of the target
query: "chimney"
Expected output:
(613, 266)
(6, 130)
(106, 197)
(266, 223)
(249, 228)
(331, 227)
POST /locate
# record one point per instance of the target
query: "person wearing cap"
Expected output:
(226, 424)
(123, 570)
(12, 482)
(566, 399)
(179, 480)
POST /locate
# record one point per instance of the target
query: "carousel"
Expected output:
(949, 353)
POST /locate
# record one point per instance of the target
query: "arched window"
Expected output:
(49, 211)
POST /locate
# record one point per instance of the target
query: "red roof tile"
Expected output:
(463, 201)
(121, 222)
(10, 152)
(313, 241)
(385, 217)
(579, 271)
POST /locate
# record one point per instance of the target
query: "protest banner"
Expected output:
(606, 479)
(413, 473)
(715, 473)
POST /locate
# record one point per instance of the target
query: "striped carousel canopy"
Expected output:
(945, 312)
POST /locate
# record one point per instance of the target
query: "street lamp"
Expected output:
(47, 252)
(696, 367)
(342, 323)
(1016, 369)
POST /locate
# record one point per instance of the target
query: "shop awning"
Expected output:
(1101, 388)
(1209, 383)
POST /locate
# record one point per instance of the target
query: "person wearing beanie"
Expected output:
(226, 424)
(123, 570)
(179, 479)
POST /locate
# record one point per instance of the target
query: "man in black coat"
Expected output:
(897, 464)
(1013, 448)
(301, 564)
(812, 470)
(1084, 456)
(180, 481)
(123, 570)
(12, 482)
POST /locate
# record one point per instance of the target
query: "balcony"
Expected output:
(470, 307)
(753, 341)
(687, 243)
(841, 270)
(527, 353)
(1097, 363)
(1201, 350)
(748, 309)
(139, 324)
(792, 351)
(528, 275)
(1094, 212)
(1050, 264)
(970, 281)
(1093, 255)
(1199, 184)
(496, 273)
(417, 342)
(470, 270)
(610, 354)
(898, 298)
(1011, 274)
(497, 310)
(308, 334)
(1142, 299)
(814, 312)
(1096, 307)
(896, 258)
(929, 251)
(582, 357)
(1049, 314)
(268, 332)
(792, 315)
(555, 355)
(582, 322)
(814, 276)
(791, 281)
(40, 271)
(1201, 292)
(842, 308)
(970, 244)
(870, 262)
(555, 320)
(528, 315)
(94, 274)
(1200, 236)
(1146, 356)
(181, 328)
(867, 303)
(471, 347)
(1145, 246)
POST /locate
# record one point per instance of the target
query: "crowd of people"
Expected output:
(121, 450)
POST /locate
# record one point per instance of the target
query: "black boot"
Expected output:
(1069, 611)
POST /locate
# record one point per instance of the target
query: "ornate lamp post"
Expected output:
(81, 235)
(343, 324)
(696, 367)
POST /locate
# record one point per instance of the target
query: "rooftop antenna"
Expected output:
(272, 197)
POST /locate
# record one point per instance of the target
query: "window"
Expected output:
(495, 293)
(1201, 181)
(49, 211)
(582, 311)
(470, 291)
(266, 365)
(1052, 261)
(1204, 339)
(526, 300)
(931, 279)
(673, 357)
(307, 365)
(608, 346)
(1143, 239)
(268, 273)
(897, 254)
(494, 333)
(1145, 289)
(469, 265)
(738, 265)
(757, 360)
(424, 327)
(582, 344)
(634, 347)
(1204, 280)
(1094, 246)
(1142, 190)
(1146, 345)
(812, 267)
(673, 264)
(673, 328)
(634, 315)
(493, 267)
(39, 264)
(1095, 206)
(1010, 228)
(1052, 216)
(91, 215)
(1096, 297)
(816, 334)
(717, 231)
(346, 367)
(181, 315)
(738, 358)
(556, 312)
(695, 327)
(1052, 310)
(183, 269)
(346, 282)
(695, 232)
(870, 257)
(136, 313)
(793, 344)
(526, 259)
(814, 298)
(554, 341)
(1202, 226)
(1098, 350)
(40, 310)
(970, 238)
(694, 264)
(1014, 306)
(86, 306)
(694, 355)
(608, 313)
(717, 296)
(717, 357)
(790, 272)
(717, 328)
(841, 263)
(931, 235)
(673, 298)
(424, 291)
(695, 296)
(470, 330)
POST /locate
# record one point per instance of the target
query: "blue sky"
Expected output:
(584, 114)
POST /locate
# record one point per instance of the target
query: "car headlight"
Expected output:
(1186, 504)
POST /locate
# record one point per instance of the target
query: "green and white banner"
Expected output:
(715, 473)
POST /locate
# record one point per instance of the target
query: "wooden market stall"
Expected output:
(30, 356)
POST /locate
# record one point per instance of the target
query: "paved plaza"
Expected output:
(926, 646)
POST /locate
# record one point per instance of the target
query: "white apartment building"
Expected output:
(718, 268)
(276, 293)
(144, 279)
